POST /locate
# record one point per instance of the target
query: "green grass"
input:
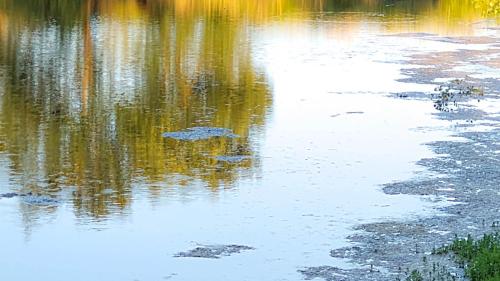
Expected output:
(480, 258)
(415, 275)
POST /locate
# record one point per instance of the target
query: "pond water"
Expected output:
(295, 129)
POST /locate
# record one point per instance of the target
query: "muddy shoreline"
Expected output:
(467, 176)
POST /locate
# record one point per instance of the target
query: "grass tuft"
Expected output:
(449, 94)
(480, 258)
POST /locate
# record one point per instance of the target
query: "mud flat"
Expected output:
(467, 174)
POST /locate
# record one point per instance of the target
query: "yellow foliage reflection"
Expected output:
(85, 108)
(89, 86)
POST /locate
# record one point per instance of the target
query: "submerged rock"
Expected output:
(213, 251)
(200, 133)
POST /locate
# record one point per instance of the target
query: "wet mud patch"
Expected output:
(213, 251)
(200, 133)
(470, 181)
(447, 39)
(467, 113)
(390, 249)
(330, 273)
(464, 39)
(476, 67)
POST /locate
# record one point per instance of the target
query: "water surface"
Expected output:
(88, 90)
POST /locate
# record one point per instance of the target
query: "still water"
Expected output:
(87, 88)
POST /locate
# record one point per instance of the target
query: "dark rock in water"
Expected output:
(39, 200)
(232, 158)
(200, 133)
(9, 195)
(213, 251)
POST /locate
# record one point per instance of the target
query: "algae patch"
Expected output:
(200, 133)
(213, 251)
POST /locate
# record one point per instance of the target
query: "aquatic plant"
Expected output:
(480, 259)
(450, 93)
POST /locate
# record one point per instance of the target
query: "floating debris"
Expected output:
(213, 251)
(233, 158)
(200, 133)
